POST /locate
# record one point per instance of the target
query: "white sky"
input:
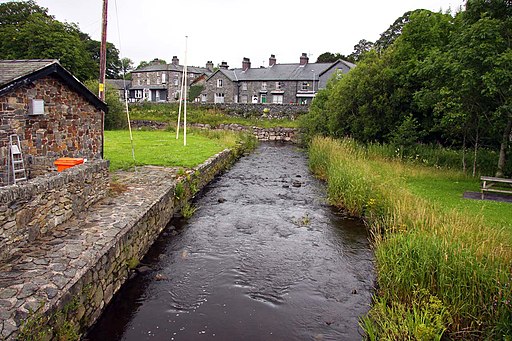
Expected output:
(228, 30)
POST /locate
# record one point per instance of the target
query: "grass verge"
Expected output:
(443, 266)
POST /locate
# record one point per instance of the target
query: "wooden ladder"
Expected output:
(17, 165)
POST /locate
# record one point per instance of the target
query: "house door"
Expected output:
(255, 99)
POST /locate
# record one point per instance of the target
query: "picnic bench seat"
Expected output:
(492, 184)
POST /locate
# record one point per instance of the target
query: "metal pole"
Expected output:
(185, 96)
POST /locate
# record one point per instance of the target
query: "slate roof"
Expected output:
(282, 72)
(10, 70)
(119, 83)
(17, 73)
(172, 67)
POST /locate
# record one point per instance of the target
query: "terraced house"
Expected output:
(295, 83)
(161, 82)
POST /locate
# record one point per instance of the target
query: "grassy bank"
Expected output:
(161, 148)
(443, 264)
(164, 112)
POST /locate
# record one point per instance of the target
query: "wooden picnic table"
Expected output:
(498, 185)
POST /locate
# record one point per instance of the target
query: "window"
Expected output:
(277, 99)
(164, 78)
(305, 86)
(176, 81)
(138, 93)
(140, 82)
(203, 98)
(264, 86)
(148, 81)
(219, 83)
(219, 98)
(244, 86)
(243, 99)
(279, 85)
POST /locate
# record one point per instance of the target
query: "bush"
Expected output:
(116, 116)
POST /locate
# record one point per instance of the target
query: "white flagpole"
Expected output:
(185, 96)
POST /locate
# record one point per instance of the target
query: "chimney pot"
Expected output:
(272, 60)
(304, 59)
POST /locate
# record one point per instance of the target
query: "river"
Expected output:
(264, 257)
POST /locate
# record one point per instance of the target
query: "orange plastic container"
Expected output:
(67, 162)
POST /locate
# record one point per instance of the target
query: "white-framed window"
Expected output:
(148, 81)
(304, 86)
(244, 86)
(138, 93)
(264, 86)
(279, 85)
(164, 78)
(176, 81)
(219, 98)
(277, 99)
(220, 83)
(203, 98)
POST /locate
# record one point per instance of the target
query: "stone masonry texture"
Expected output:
(62, 281)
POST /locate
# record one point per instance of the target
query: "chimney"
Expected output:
(246, 64)
(155, 61)
(224, 65)
(304, 59)
(175, 61)
(209, 65)
(272, 60)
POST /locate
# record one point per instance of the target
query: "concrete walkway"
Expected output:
(36, 278)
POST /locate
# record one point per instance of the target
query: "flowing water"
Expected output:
(263, 258)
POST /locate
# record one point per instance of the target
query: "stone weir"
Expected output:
(56, 286)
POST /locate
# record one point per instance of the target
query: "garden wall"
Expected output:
(34, 207)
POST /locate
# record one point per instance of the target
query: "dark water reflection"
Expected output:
(263, 258)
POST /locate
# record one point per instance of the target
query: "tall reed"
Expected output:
(423, 253)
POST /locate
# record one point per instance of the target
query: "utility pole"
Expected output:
(103, 52)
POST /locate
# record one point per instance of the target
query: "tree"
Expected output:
(126, 67)
(388, 37)
(28, 32)
(360, 49)
(328, 57)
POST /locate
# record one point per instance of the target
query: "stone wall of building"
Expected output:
(259, 110)
(71, 126)
(32, 208)
(229, 88)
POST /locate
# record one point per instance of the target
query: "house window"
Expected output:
(148, 81)
(264, 86)
(175, 81)
(305, 86)
(244, 86)
(219, 83)
(279, 85)
(203, 98)
(263, 98)
(243, 99)
(140, 82)
(138, 93)
(164, 78)
(219, 98)
(277, 99)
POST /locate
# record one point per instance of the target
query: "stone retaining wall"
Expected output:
(32, 208)
(83, 302)
(263, 134)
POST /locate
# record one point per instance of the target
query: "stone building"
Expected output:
(295, 83)
(52, 113)
(161, 82)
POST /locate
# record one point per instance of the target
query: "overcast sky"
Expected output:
(228, 30)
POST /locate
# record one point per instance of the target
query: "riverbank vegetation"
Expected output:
(168, 112)
(432, 79)
(161, 148)
(443, 263)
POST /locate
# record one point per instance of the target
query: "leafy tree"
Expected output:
(360, 49)
(388, 37)
(27, 31)
(328, 57)
(126, 67)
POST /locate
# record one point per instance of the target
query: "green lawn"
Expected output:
(161, 148)
(447, 189)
